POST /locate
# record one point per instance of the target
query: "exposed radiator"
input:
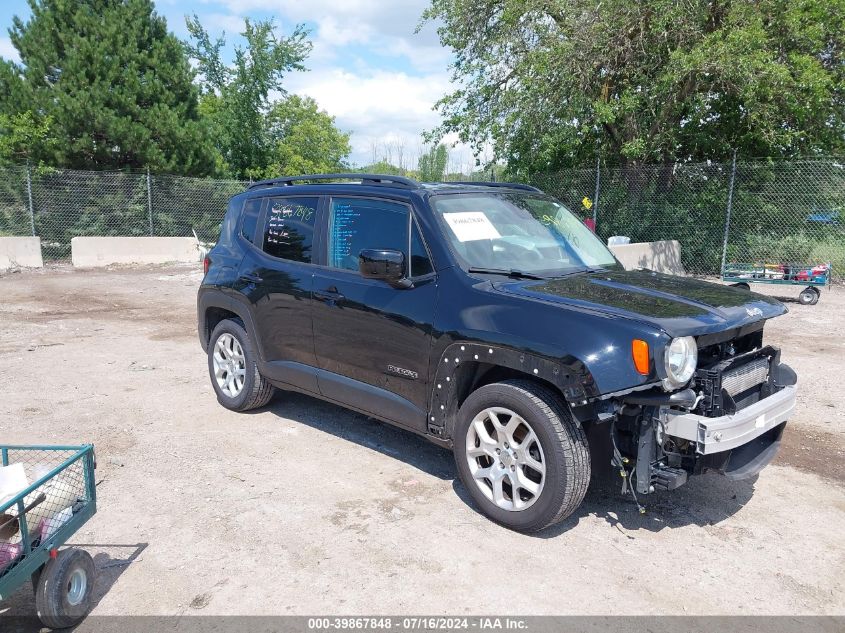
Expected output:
(746, 376)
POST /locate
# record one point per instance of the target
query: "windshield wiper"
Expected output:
(516, 274)
(579, 271)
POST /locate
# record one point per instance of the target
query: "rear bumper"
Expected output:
(728, 432)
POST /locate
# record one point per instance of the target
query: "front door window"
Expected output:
(356, 224)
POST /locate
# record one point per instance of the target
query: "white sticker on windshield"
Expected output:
(469, 226)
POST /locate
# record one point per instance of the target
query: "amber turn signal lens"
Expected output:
(639, 350)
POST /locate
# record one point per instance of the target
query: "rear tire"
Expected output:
(544, 459)
(808, 297)
(233, 368)
(65, 588)
(741, 285)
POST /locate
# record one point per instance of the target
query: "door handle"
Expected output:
(250, 278)
(329, 295)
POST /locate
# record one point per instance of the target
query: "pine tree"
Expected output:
(116, 86)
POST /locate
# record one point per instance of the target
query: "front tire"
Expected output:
(520, 454)
(233, 368)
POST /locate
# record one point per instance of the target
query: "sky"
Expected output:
(368, 68)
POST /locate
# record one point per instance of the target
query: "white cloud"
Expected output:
(364, 101)
(7, 50)
(368, 68)
(382, 109)
(388, 17)
(387, 26)
(229, 23)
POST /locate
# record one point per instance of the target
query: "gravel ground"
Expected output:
(305, 508)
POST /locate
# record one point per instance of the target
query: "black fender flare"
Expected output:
(215, 298)
(567, 374)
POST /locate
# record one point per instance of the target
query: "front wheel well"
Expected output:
(487, 373)
(472, 375)
(465, 366)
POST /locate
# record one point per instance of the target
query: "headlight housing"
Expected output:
(680, 360)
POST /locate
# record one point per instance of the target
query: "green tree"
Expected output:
(116, 86)
(304, 139)
(432, 163)
(237, 98)
(553, 82)
(384, 166)
(21, 135)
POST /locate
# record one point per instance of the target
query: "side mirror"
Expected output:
(385, 264)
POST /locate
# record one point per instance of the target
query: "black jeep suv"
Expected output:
(489, 319)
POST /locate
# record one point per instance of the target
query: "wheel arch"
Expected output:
(215, 306)
(214, 315)
(465, 366)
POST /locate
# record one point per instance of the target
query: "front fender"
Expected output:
(461, 361)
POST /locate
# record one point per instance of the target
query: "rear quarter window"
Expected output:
(249, 222)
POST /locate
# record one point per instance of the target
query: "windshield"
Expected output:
(515, 231)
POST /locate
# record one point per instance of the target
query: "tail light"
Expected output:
(206, 262)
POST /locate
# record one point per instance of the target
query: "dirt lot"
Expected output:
(304, 508)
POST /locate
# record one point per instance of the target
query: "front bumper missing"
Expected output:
(728, 432)
(673, 444)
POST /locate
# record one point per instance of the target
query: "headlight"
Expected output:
(681, 359)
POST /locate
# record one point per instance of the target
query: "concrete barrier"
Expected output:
(662, 257)
(88, 252)
(22, 252)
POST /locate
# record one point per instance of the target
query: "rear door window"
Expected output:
(289, 228)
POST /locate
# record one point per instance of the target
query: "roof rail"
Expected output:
(366, 179)
(508, 185)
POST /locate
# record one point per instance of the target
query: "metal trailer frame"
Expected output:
(744, 274)
(32, 559)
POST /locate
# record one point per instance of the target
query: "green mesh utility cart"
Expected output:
(46, 494)
(811, 276)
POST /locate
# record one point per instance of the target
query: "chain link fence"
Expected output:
(760, 212)
(58, 205)
(751, 212)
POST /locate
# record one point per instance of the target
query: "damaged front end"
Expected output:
(729, 419)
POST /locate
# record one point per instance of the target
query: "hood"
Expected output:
(680, 306)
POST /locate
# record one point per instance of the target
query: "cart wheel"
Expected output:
(65, 588)
(808, 297)
(741, 285)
